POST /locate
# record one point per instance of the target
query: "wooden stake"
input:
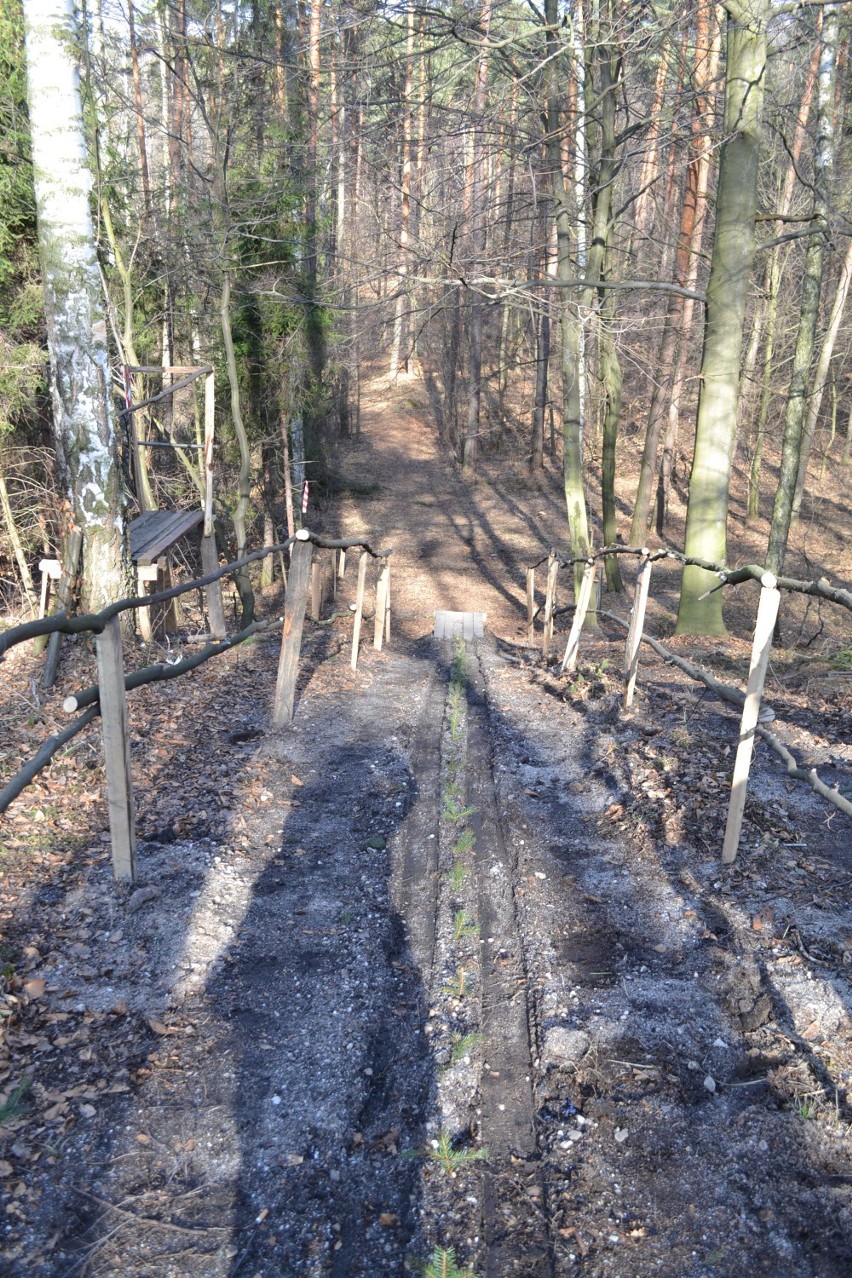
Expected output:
(316, 590)
(122, 816)
(584, 595)
(637, 625)
(70, 563)
(382, 600)
(767, 613)
(363, 559)
(295, 603)
(215, 607)
(531, 607)
(387, 601)
(549, 603)
(341, 564)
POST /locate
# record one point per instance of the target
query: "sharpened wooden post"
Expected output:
(530, 607)
(767, 613)
(363, 559)
(549, 604)
(295, 604)
(637, 625)
(122, 815)
(316, 590)
(584, 595)
(381, 621)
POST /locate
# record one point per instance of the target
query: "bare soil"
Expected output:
(451, 963)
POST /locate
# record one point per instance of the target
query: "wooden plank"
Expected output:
(637, 625)
(584, 595)
(549, 603)
(531, 606)
(381, 608)
(295, 604)
(767, 613)
(122, 816)
(363, 559)
(387, 570)
(156, 531)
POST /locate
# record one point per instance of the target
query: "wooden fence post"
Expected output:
(584, 595)
(70, 563)
(382, 622)
(316, 590)
(767, 613)
(549, 603)
(530, 607)
(295, 603)
(637, 625)
(363, 559)
(122, 816)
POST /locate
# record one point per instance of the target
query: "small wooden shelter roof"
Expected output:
(155, 531)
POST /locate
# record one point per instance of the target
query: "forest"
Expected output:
(584, 229)
(396, 350)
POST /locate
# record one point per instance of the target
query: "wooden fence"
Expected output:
(108, 697)
(748, 702)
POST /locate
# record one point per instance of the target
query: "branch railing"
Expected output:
(107, 697)
(748, 702)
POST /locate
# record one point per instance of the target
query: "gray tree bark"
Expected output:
(83, 418)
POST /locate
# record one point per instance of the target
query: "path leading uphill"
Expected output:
(451, 971)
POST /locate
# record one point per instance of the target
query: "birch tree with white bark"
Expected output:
(83, 418)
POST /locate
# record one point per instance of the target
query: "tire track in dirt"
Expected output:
(506, 1092)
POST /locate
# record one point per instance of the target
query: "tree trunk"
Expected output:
(477, 245)
(794, 417)
(399, 346)
(84, 430)
(820, 377)
(768, 296)
(244, 493)
(541, 362)
(727, 294)
(692, 219)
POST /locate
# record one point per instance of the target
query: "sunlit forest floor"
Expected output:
(452, 961)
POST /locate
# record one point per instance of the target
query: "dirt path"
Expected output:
(451, 969)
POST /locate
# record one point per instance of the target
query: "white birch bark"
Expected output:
(76, 328)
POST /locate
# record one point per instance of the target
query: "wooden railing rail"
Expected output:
(107, 697)
(748, 702)
(96, 621)
(820, 587)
